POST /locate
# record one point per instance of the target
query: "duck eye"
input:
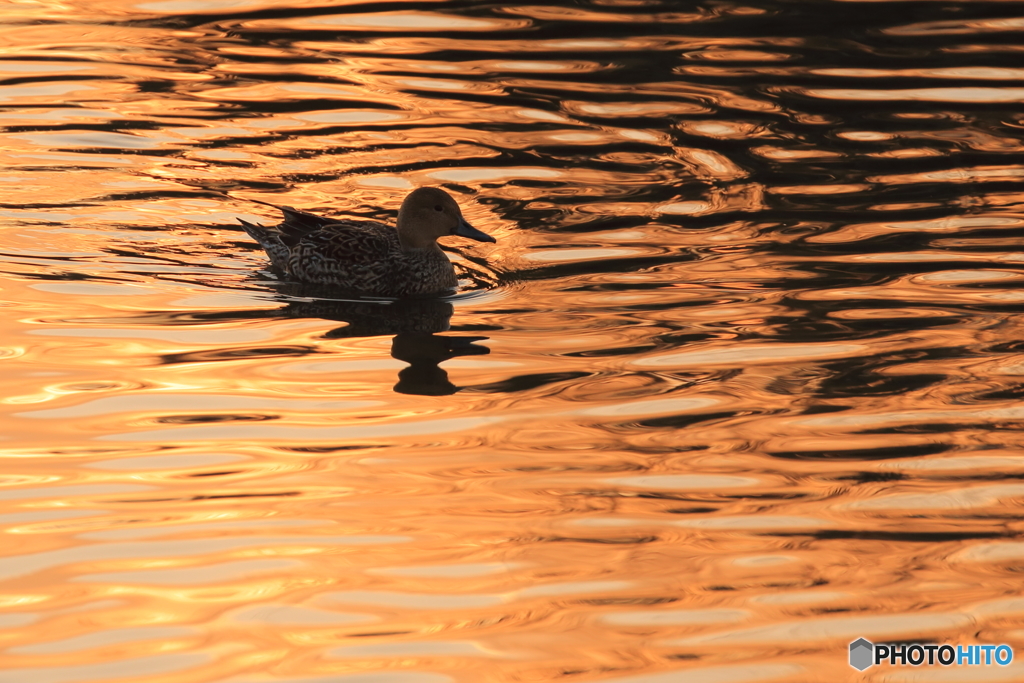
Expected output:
(438, 208)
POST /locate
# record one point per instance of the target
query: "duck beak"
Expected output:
(464, 229)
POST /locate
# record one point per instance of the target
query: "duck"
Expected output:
(368, 258)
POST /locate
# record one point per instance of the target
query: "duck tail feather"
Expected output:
(270, 239)
(297, 224)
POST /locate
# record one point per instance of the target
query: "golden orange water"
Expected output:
(739, 383)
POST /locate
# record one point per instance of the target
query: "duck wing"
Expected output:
(354, 242)
(360, 255)
(278, 240)
(297, 224)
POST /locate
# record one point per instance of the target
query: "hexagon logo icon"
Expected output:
(862, 652)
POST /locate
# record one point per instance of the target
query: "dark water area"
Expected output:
(739, 383)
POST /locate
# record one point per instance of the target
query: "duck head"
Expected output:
(429, 213)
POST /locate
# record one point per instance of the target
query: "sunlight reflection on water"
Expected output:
(738, 383)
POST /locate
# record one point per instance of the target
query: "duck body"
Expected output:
(367, 257)
(361, 257)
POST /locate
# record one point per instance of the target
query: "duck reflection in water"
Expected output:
(414, 324)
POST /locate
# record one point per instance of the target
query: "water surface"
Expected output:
(739, 383)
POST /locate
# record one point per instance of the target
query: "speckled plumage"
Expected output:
(366, 257)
